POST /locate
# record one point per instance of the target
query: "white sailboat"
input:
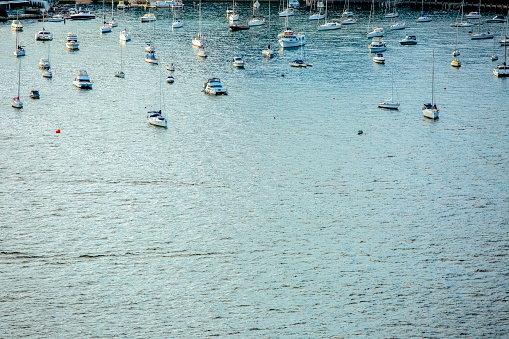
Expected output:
(43, 35)
(430, 110)
(317, 15)
(121, 73)
(46, 73)
(377, 31)
(176, 21)
(198, 39)
(233, 16)
(456, 62)
(479, 35)
(156, 118)
(256, 20)
(268, 53)
(105, 28)
(423, 17)
(390, 104)
(124, 34)
(19, 51)
(462, 23)
(389, 13)
(502, 70)
(113, 22)
(16, 101)
(328, 25)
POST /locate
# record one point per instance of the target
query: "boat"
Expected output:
(409, 40)
(213, 86)
(430, 110)
(148, 17)
(456, 63)
(72, 41)
(170, 68)
(286, 12)
(346, 10)
(398, 26)
(349, 21)
(162, 4)
(256, 21)
(176, 5)
(289, 38)
(120, 74)
(82, 80)
(121, 5)
(298, 63)
(379, 58)
(377, 45)
(56, 18)
(16, 25)
(394, 13)
(34, 94)
(125, 35)
(462, 23)
(84, 15)
(157, 119)
(456, 52)
(151, 58)
(376, 31)
(233, 16)
(328, 25)
(268, 53)
(316, 16)
(239, 27)
(504, 42)
(176, 22)
(44, 63)
(238, 62)
(47, 74)
(43, 35)
(390, 104)
(479, 36)
(170, 79)
(198, 39)
(294, 4)
(201, 52)
(19, 51)
(423, 17)
(149, 47)
(473, 15)
(496, 19)
(502, 70)
(105, 28)
(113, 22)
(16, 101)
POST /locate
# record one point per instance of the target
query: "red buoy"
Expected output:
(58, 131)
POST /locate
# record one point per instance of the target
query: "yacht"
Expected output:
(213, 86)
(16, 102)
(105, 28)
(409, 40)
(239, 27)
(20, 51)
(34, 94)
(291, 39)
(377, 45)
(84, 15)
(424, 18)
(82, 80)
(391, 15)
(170, 79)
(44, 63)
(430, 110)
(238, 62)
(113, 23)
(298, 63)
(233, 17)
(479, 36)
(388, 104)
(198, 40)
(349, 21)
(43, 35)
(501, 70)
(151, 58)
(473, 15)
(316, 16)
(256, 22)
(398, 26)
(125, 35)
(176, 4)
(462, 24)
(16, 25)
(149, 47)
(379, 58)
(148, 17)
(268, 53)
(377, 32)
(496, 19)
(156, 118)
(328, 26)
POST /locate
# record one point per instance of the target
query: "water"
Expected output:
(261, 213)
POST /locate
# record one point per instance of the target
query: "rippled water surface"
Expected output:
(262, 213)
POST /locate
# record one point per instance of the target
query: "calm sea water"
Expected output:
(261, 213)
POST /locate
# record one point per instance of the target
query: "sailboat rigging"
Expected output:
(16, 102)
(430, 110)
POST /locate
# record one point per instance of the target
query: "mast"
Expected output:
(19, 76)
(433, 80)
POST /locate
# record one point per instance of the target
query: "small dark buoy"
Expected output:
(360, 132)
(283, 75)
(57, 131)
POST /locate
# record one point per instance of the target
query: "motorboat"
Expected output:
(286, 12)
(409, 40)
(473, 15)
(16, 25)
(176, 23)
(44, 63)
(239, 27)
(298, 63)
(289, 38)
(34, 94)
(496, 19)
(43, 35)
(377, 32)
(56, 18)
(398, 26)
(198, 40)
(238, 62)
(456, 63)
(329, 26)
(84, 15)
(125, 35)
(213, 86)
(151, 58)
(170, 79)
(201, 52)
(149, 47)
(156, 118)
(316, 16)
(148, 17)
(379, 58)
(47, 74)
(377, 45)
(256, 22)
(479, 36)
(82, 80)
(294, 4)
(349, 21)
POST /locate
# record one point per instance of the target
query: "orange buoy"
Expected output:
(58, 131)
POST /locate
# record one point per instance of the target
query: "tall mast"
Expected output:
(19, 76)
(433, 80)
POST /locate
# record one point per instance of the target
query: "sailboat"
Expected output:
(256, 21)
(176, 21)
(44, 34)
(475, 15)
(430, 110)
(423, 17)
(105, 28)
(232, 16)
(377, 31)
(348, 18)
(124, 34)
(316, 16)
(19, 51)
(456, 62)
(390, 104)
(120, 74)
(46, 73)
(268, 53)
(462, 23)
(480, 35)
(503, 69)
(198, 39)
(16, 102)
(156, 118)
(288, 38)
(16, 25)
(113, 22)
(394, 13)
(328, 25)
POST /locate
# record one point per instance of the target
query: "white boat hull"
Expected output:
(256, 22)
(125, 36)
(388, 105)
(177, 24)
(481, 36)
(268, 53)
(157, 121)
(329, 26)
(82, 85)
(424, 19)
(396, 27)
(377, 49)
(295, 41)
(197, 42)
(72, 46)
(105, 29)
(430, 113)
(16, 103)
(316, 17)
